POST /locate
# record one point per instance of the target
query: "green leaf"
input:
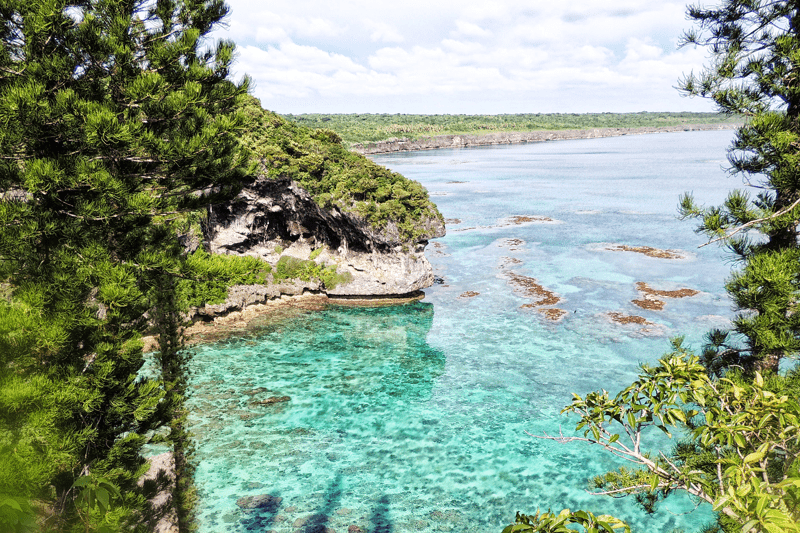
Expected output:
(753, 457)
(581, 514)
(10, 502)
(762, 503)
(82, 481)
(102, 499)
(749, 525)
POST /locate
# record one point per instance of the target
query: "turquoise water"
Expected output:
(414, 417)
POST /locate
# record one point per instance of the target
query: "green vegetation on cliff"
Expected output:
(360, 128)
(304, 269)
(208, 276)
(335, 177)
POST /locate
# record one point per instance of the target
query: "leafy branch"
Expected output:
(751, 433)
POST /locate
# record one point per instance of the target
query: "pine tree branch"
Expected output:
(752, 223)
(625, 491)
(120, 215)
(13, 72)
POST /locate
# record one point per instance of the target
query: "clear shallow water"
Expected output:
(413, 418)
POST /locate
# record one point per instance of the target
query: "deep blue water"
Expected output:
(414, 418)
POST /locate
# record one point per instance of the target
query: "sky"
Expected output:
(450, 57)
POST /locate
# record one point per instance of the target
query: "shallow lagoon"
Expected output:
(413, 418)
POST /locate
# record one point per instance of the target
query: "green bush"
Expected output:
(306, 270)
(292, 267)
(314, 254)
(208, 276)
(331, 278)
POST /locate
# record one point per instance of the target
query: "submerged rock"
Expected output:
(314, 522)
(275, 399)
(271, 218)
(261, 501)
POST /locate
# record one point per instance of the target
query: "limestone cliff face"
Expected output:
(274, 217)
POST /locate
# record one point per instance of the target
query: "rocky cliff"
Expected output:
(276, 217)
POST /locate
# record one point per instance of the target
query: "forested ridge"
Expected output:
(368, 127)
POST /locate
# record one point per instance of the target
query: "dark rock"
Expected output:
(255, 391)
(190, 240)
(262, 501)
(275, 399)
(239, 297)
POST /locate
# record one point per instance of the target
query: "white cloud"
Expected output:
(382, 32)
(302, 71)
(270, 27)
(468, 29)
(463, 47)
(588, 55)
(641, 50)
(271, 34)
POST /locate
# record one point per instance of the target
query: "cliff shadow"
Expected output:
(380, 521)
(318, 522)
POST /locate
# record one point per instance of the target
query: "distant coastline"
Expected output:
(465, 141)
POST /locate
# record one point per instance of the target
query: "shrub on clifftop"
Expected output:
(334, 176)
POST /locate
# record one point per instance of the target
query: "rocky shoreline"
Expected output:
(233, 317)
(465, 141)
